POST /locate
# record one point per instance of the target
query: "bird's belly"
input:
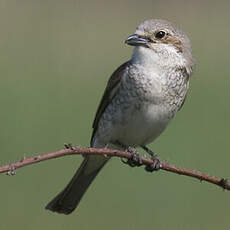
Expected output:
(140, 127)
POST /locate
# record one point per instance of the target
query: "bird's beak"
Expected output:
(136, 40)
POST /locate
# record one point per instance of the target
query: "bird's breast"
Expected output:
(166, 87)
(142, 122)
(141, 110)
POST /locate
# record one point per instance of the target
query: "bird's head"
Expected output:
(163, 38)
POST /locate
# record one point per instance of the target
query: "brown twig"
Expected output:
(10, 168)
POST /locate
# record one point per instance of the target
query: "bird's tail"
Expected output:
(66, 201)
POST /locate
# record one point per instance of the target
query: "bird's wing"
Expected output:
(183, 101)
(109, 93)
(187, 75)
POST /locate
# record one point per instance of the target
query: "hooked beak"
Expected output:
(137, 40)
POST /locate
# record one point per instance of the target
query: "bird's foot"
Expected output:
(156, 165)
(68, 146)
(149, 151)
(134, 160)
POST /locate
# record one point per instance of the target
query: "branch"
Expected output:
(10, 168)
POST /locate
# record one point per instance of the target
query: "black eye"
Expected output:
(160, 34)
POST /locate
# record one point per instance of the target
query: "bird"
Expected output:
(142, 96)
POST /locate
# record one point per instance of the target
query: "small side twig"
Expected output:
(70, 150)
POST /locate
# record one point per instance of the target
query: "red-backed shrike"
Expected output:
(141, 98)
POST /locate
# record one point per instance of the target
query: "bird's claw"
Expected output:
(134, 160)
(11, 171)
(155, 166)
(68, 146)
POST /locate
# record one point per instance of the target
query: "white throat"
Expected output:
(144, 57)
(164, 58)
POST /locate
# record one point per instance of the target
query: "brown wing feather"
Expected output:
(109, 93)
(186, 74)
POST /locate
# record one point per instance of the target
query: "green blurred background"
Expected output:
(55, 59)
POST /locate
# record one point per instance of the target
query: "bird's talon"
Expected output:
(134, 160)
(11, 171)
(68, 146)
(155, 166)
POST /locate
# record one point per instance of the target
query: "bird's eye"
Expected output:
(160, 34)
